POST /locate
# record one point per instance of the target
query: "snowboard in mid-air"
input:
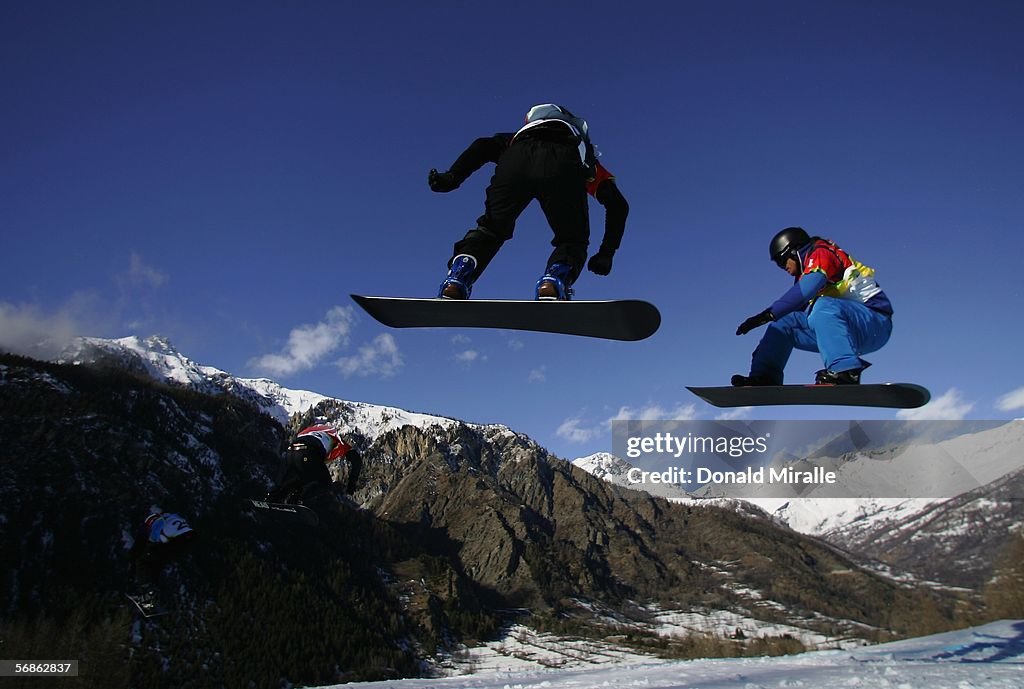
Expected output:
(624, 319)
(146, 603)
(283, 512)
(895, 395)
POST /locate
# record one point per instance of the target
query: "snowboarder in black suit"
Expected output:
(549, 159)
(305, 477)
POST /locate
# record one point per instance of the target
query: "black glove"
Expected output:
(755, 322)
(442, 181)
(601, 262)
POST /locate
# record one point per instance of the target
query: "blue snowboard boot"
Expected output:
(556, 283)
(459, 282)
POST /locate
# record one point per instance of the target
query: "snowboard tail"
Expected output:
(146, 605)
(893, 395)
(283, 512)
(624, 319)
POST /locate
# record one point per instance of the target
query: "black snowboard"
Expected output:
(896, 395)
(146, 605)
(283, 512)
(624, 319)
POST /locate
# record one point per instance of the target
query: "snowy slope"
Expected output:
(987, 657)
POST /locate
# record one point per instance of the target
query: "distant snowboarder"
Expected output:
(305, 477)
(549, 159)
(161, 539)
(834, 307)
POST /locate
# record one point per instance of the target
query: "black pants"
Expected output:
(151, 558)
(303, 475)
(550, 172)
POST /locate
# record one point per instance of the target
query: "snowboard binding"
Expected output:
(556, 283)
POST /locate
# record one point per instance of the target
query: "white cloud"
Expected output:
(572, 429)
(470, 356)
(308, 344)
(733, 414)
(1011, 400)
(380, 357)
(575, 430)
(949, 407)
(139, 274)
(538, 375)
(27, 330)
(681, 412)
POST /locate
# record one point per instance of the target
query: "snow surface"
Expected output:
(986, 657)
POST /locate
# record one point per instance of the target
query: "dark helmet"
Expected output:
(786, 243)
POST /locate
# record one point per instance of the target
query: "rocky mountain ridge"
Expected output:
(454, 524)
(976, 479)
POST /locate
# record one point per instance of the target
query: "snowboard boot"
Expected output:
(459, 282)
(556, 283)
(739, 381)
(827, 377)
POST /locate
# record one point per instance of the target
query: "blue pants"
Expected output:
(840, 329)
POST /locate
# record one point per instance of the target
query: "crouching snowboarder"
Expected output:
(160, 540)
(835, 307)
(305, 478)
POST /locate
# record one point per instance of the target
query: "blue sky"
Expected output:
(226, 173)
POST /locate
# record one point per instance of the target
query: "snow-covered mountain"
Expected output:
(953, 541)
(454, 508)
(952, 467)
(158, 358)
(607, 466)
(955, 502)
(947, 498)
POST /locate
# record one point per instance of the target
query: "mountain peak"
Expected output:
(608, 467)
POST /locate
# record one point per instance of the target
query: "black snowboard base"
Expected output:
(283, 512)
(624, 319)
(894, 395)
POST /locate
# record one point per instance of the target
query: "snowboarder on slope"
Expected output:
(834, 307)
(549, 159)
(305, 476)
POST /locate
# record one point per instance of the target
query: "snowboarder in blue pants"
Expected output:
(835, 307)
